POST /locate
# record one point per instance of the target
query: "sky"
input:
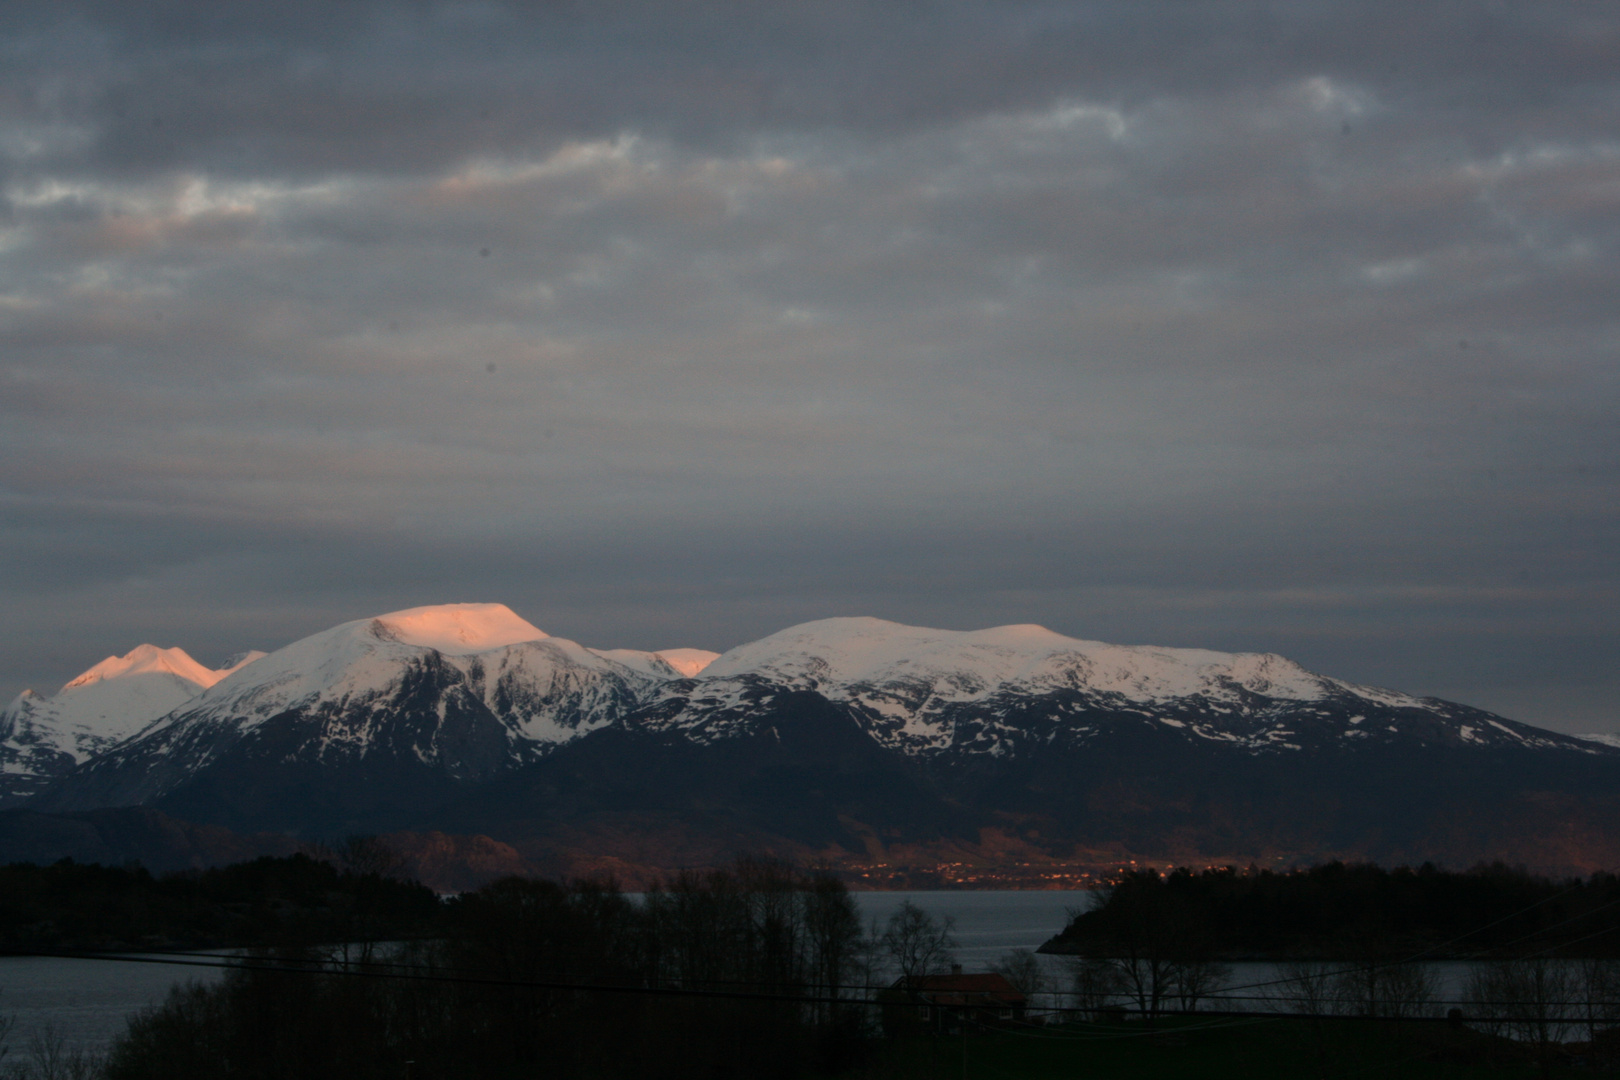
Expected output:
(1284, 327)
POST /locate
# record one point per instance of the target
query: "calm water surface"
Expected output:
(988, 924)
(85, 1001)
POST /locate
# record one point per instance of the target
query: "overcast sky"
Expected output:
(1291, 327)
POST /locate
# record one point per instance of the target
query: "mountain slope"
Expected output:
(428, 696)
(1008, 688)
(851, 739)
(42, 737)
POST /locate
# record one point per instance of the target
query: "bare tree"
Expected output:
(1157, 945)
(834, 928)
(1023, 970)
(53, 1059)
(1385, 989)
(1600, 993)
(1197, 978)
(1533, 1000)
(1307, 986)
(1308, 989)
(1600, 990)
(916, 943)
(1093, 984)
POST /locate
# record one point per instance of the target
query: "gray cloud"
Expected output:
(1247, 326)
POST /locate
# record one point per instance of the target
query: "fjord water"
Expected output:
(988, 923)
(88, 1001)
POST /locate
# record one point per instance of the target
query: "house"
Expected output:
(941, 1002)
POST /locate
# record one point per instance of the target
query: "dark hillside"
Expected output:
(1338, 910)
(269, 901)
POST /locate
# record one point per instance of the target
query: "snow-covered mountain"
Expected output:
(42, 736)
(466, 690)
(930, 692)
(465, 717)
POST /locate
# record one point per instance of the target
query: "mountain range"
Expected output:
(42, 737)
(903, 755)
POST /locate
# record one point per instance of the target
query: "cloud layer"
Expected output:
(1280, 327)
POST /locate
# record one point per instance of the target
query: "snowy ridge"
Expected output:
(665, 663)
(689, 662)
(43, 736)
(468, 690)
(471, 691)
(514, 669)
(241, 660)
(924, 691)
(970, 665)
(148, 660)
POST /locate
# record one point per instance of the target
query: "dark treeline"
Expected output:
(481, 1005)
(1341, 911)
(347, 893)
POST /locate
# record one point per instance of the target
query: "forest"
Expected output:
(740, 970)
(1338, 911)
(350, 891)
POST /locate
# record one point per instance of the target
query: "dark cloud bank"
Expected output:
(1287, 327)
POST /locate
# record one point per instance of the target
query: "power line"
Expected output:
(426, 975)
(279, 967)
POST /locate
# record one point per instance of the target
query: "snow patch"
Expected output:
(148, 660)
(458, 629)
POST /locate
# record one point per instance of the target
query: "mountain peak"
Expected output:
(458, 629)
(147, 660)
(689, 662)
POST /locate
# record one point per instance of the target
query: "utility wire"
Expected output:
(421, 975)
(426, 975)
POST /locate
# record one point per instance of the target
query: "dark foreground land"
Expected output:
(1194, 1048)
(762, 969)
(347, 894)
(1339, 911)
(286, 1026)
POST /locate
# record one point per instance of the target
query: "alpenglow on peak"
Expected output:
(458, 629)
